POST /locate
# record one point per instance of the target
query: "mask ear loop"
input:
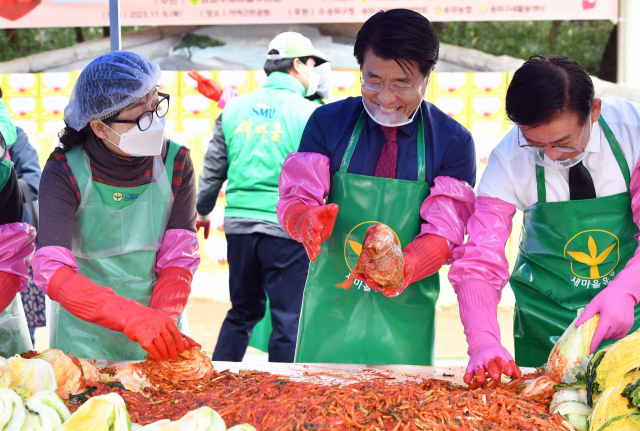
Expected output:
(109, 140)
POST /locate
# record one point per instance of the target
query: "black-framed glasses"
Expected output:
(395, 87)
(145, 119)
(543, 148)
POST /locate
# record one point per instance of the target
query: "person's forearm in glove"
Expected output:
(616, 305)
(303, 186)
(206, 86)
(478, 302)
(9, 287)
(310, 225)
(617, 301)
(156, 332)
(422, 258)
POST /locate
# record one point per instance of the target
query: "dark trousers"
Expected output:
(260, 263)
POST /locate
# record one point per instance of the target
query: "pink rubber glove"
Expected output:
(491, 359)
(478, 302)
(616, 305)
(422, 258)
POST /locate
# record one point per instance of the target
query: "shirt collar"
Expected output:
(284, 81)
(407, 129)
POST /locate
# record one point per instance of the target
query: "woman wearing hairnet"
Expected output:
(117, 246)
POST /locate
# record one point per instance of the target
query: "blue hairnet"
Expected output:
(108, 85)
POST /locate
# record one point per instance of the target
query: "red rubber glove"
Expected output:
(207, 87)
(171, 291)
(310, 225)
(9, 286)
(203, 222)
(422, 258)
(190, 343)
(156, 333)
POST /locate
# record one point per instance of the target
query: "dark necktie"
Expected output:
(388, 160)
(580, 183)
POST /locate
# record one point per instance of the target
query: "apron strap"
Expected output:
(351, 147)
(542, 187)
(617, 151)
(615, 148)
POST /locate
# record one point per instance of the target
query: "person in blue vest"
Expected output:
(387, 157)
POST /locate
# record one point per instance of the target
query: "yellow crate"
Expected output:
(203, 125)
(196, 106)
(51, 127)
(451, 83)
(57, 83)
(169, 82)
(258, 78)
(489, 83)
(174, 107)
(52, 107)
(455, 106)
(29, 127)
(487, 108)
(22, 108)
(19, 84)
(41, 143)
(188, 85)
(346, 83)
(241, 80)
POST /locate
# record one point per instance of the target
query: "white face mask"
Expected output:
(388, 119)
(313, 80)
(325, 85)
(559, 164)
(137, 143)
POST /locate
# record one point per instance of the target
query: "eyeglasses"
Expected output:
(395, 87)
(145, 119)
(542, 148)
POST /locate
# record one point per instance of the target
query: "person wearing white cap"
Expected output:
(251, 139)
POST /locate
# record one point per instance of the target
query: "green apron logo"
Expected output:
(117, 197)
(353, 243)
(593, 253)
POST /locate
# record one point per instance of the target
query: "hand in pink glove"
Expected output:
(422, 258)
(478, 301)
(616, 307)
(492, 359)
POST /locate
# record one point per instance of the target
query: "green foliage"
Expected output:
(584, 41)
(191, 42)
(26, 41)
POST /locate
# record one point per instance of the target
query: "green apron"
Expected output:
(359, 325)
(118, 233)
(14, 331)
(262, 332)
(569, 252)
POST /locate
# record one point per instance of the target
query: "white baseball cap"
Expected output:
(290, 45)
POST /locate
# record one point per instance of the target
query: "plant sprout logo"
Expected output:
(354, 241)
(117, 197)
(593, 253)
